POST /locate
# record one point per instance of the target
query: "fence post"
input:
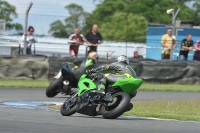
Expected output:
(34, 49)
(86, 51)
(126, 32)
(174, 15)
(19, 49)
(26, 25)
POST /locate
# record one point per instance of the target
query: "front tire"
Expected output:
(52, 90)
(69, 106)
(116, 110)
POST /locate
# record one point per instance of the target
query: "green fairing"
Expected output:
(129, 85)
(82, 87)
(88, 63)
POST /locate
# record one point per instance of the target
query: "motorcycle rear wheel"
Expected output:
(116, 110)
(69, 107)
(52, 90)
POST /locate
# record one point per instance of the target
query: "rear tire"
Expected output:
(69, 110)
(52, 90)
(116, 110)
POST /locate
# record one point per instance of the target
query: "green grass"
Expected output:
(17, 83)
(177, 110)
(170, 87)
(146, 86)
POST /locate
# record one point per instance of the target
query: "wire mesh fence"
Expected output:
(49, 45)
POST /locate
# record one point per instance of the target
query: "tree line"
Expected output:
(7, 13)
(124, 20)
(117, 19)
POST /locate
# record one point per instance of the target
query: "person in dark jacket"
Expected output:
(186, 46)
(93, 38)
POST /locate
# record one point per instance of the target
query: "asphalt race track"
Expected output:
(22, 120)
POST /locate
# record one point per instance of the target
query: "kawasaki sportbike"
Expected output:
(67, 77)
(88, 101)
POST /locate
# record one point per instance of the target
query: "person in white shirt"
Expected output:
(31, 38)
(75, 40)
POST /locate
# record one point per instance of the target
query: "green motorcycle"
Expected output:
(88, 101)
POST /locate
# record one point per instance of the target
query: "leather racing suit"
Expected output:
(121, 70)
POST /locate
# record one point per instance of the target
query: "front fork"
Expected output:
(71, 99)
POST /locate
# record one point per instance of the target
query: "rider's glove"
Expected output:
(93, 71)
(90, 71)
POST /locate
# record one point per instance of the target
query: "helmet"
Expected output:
(93, 55)
(123, 58)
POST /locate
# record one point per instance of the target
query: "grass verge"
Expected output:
(18, 83)
(146, 86)
(170, 87)
(178, 110)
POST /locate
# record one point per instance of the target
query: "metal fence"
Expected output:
(58, 47)
(52, 46)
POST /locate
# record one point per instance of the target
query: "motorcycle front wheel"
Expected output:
(118, 108)
(69, 106)
(52, 89)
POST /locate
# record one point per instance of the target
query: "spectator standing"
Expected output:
(197, 52)
(93, 38)
(166, 42)
(76, 40)
(186, 45)
(31, 38)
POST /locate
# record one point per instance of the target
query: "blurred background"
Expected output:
(126, 25)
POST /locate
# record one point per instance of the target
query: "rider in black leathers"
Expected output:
(80, 66)
(121, 68)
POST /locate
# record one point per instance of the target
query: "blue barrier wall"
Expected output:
(154, 35)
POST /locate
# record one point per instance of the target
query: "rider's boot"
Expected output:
(101, 89)
(130, 107)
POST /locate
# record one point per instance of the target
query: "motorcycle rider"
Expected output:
(122, 70)
(67, 79)
(81, 65)
(92, 58)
